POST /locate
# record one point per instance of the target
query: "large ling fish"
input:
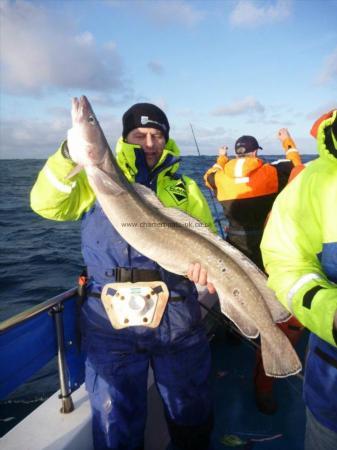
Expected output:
(241, 286)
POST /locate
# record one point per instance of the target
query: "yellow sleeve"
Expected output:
(55, 197)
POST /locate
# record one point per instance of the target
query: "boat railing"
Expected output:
(30, 339)
(37, 309)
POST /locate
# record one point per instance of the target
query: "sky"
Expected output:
(225, 67)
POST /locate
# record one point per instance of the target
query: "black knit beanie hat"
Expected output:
(145, 115)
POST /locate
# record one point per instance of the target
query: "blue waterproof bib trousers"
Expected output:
(320, 386)
(118, 360)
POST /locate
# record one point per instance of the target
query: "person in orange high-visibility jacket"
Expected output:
(247, 187)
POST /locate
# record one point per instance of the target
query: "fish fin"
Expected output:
(103, 182)
(278, 312)
(279, 360)
(236, 315)
(77, 169)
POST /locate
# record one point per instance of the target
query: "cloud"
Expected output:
(329, 72)
(156, 67)
(244, 106)
(19, 136)
(249, 13)
(173, 11)
(41, 52)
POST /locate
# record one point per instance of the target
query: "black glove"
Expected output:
(65, 150)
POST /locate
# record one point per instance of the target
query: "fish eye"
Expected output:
(91, 119)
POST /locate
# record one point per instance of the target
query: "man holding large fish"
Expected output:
(139, 247)
(118, 359)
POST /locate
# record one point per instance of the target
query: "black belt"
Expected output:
(177, 298)
(124, 275)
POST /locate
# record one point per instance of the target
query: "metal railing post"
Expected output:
(65, 396)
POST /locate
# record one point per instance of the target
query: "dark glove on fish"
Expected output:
(65, 150)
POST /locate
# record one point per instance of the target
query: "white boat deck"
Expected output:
(47, 429)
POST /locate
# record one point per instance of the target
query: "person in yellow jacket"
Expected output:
(117, 360)
(299, 249)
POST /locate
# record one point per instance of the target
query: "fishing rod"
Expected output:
(217, 217)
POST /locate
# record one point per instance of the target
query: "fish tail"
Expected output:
(279, 357)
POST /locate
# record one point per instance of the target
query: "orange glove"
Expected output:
(219, 165)
(286, 140)
(222, 158)
(289, 146)
(223, 150)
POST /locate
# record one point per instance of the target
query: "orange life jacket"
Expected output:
(246, 177)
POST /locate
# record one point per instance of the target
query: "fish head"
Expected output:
(88, 143)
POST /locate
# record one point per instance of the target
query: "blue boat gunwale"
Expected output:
(37, 309)
(28, 341)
